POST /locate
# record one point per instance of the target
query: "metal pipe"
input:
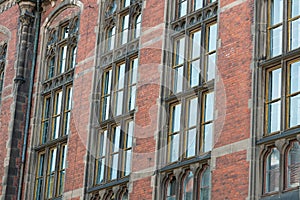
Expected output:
(31, 83)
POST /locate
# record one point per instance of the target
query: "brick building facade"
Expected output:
(150, 99)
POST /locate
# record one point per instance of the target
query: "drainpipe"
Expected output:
(31, 83)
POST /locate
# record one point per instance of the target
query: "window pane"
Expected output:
(124, 33)
(272, 171)
(191, 143)
(212, 38)
(39, 189)
(209, 107)
(198, 4)
(294, 111)
(276, 41)
(129, 134)
(174, 147)
(102, 144)
(205, 185)
(100, 170)
(182, 8)
(63, 59)
(192, 112)
(52, 161)
(295, 8)
(114, 166)
(211, 66)
(274, 113)
(127, 162)
(276, 11)
(73, 57)
(176, 113)
(178, 79)
(105, 107)
(121, 76)
(180, 51)
(137, 30)
(194, 73)
(126, 3)
(125, 196)
(132, 93)
(116, 139)
(294, 34)
(51, 67)
(188, 187)
(196, 44)
(295, 77)
(274, 84)
(106, 90)
(133, 71)
(207, 140)
(119, 103)
(62, 170)
(111, 38)
(171, 190)
(294, 165)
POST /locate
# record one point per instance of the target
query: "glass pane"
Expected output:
(50, 186)
(205, 185)
(207, 140)
(125, 23)
(194, 73)
(127, 162)
(41, 165)
(129, 134)
(102, 144)
(196, 44)
(295, 34)
(111, 38)
(137, 31)
(105, 107)
(295, 8)
(125, 196)
(182, 8)
(180, 51)
(276, 41)
(209, 107)
(294, 165)
(39, 189)
(294, 111)
(276, 11)
(63, 59)
(274, 84)
(116, 139)
(191, 143)
(61, 182)
(198, 4)
(174, 147)
(171, 190)
(101, 168)
(58, 100)
(63, 157)
(114, 166)
(134, 71)
(131, 103)
(212, 38)
(178, 79)
(51, 67)
(211, 67)
(272, 171)
(126, 3)
(73, 57)
(56, 127)
(119, 103)
(65, 32)
(69, 99)
(188, 187)
(107, 82)
(121, 77)
(45, 131)
(274, 113)
(176, 113)
(52, 161)
(295, 77)
(192, 112)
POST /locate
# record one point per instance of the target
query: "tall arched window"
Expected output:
(205, 184)
(137, 26)
(188, 187)
(3, 50)
(272, 166)
(171, 190)
(293, 168)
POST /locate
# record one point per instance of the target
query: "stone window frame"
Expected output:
(264, 63)
(179, 176)
(60, 82)
(3, 55)
(110, 58)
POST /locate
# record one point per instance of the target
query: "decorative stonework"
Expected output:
(5, 5)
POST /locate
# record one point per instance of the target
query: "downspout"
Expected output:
(31, 83)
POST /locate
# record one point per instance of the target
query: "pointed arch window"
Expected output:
(171, 190)
(272, 168)
(205, 184)
(188, 187)
(293, 168)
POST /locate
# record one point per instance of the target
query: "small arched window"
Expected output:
(137, 26)
(272, 171)
(110, 38)
(205, 184)
(171, 190)
(293, 174)
(188, 186)
(125, 196)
